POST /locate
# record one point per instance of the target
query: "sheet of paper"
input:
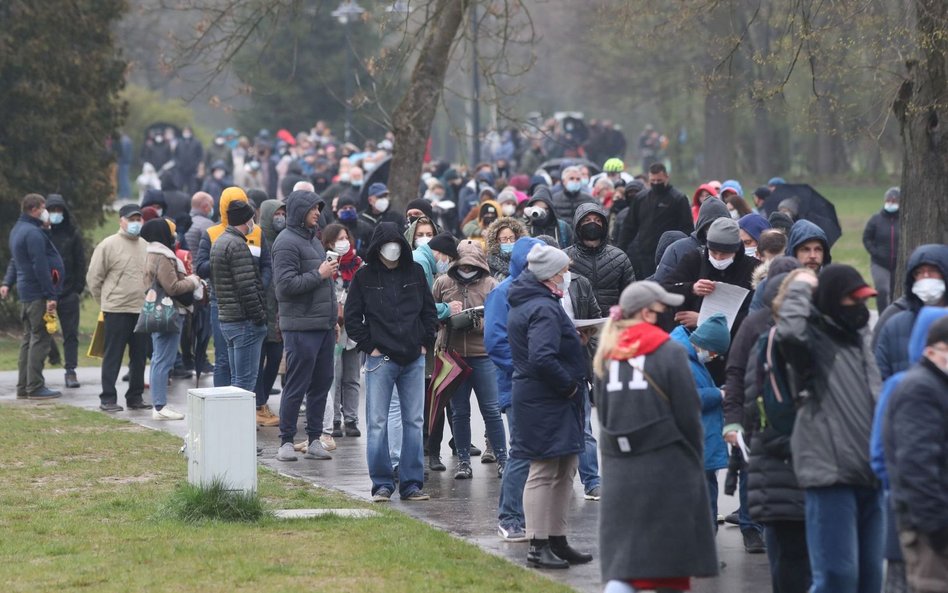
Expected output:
(726, 299)
(581, 323)
(745, 452)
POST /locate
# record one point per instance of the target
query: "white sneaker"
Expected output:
(286, 452)
(166, 413)
(327, 442)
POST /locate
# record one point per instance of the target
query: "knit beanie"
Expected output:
(445, 243)
(421, 204)
(753, 225)
(713, 335)
(239, 212)
(546, 262)
(780, 221)
(725, 235)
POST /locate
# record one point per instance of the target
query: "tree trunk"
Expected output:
(413, 117)
(921, 110)
(718, 132)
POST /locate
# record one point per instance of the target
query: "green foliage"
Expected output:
(195, 504)
(60, 77)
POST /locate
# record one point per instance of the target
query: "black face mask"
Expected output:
(659, 188)
(852, 317)
(591, 231)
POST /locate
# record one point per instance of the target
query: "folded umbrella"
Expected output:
(449, 373)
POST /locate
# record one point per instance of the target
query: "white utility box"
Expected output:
(222, 438)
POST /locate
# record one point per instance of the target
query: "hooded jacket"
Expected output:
(696, 205)
(552, 225)
(36, 262)
(474, 229)
(307, 301)
(607, 267)
(830, 440)
(711, 210)
(549, 368)
(566, 203)
(497, 260)
(881, 239)
(451, 287)
(891, 348)
(67, 238)
(267, 209)
(496, 309)
(391, 310)
(803, 231)
(424, 257)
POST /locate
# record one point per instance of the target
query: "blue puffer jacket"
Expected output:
(712, 410)
(892, 345)
(549, 367)
(495, 321)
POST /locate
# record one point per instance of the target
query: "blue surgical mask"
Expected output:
(348, 215)
(443, 266)
(356, 183)
(704, 356)
(506, 247)
(574, 186)
(56, 217)
(279, 223)
(889, 207)
(134, 228)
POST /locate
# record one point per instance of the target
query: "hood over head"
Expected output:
(154, 197)
(926, 318)
(387, 232)
(703, 187)
(470, 253)
(664, 242)
(298, 204)
(803, 231)
(57, 201)
(229, 195)
(543, 194)
(590, 208)
(712, 209)
(267, 209)
(933, 254)
(486, 207)
(508, 222)
(410, 231)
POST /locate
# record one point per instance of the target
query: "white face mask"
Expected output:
(467, 275)
(721, 264)
(703, 356)
(44, 216)
(564, 285)
(391, 251)
(930, 290)
(750, 251)
(381, 204)
(735, 214)
(508, 209)
(419, 241)
(341, 247)
(891, 208)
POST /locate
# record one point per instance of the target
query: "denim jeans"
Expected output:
(483, 380)
(845, 536)
(395, 428)
(164, 349)
(589, 459)
(244, 341)
(711, 477)
(330, 407)
(221, 362)
(382, 376)
(347, 387)
(309, 374)
(510, 505)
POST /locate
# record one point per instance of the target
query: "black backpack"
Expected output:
(777, 386)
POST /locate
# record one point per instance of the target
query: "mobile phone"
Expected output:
(332, 256)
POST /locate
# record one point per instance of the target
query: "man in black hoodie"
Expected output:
(390, 314)
(68, 241)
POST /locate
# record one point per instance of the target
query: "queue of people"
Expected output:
(557, 295)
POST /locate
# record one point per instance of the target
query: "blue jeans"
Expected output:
(845, 536)
(483, 381)
(124, 187)
(309, 375)
(510, 506)
(244, 341)
(164, 348)
(382, 376)
(221, 361)
(395, 428)
(712, 479)
(589, 458)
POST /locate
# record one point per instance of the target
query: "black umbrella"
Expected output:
(811, 205)
(378, 175)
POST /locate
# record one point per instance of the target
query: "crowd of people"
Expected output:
(555, 291)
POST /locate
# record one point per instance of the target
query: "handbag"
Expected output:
(159, 313)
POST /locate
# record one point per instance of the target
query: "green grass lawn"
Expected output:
(854, 206)
(82, 508)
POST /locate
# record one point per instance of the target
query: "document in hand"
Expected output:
(726, 299)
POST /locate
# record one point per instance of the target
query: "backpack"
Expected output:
(777, 386)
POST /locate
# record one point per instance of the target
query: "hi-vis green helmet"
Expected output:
(614, 165)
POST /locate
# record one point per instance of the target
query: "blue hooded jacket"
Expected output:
(496, 308)
(803, 231)
(425, 258)
(916, 345)
(891, 351)
(712, 404)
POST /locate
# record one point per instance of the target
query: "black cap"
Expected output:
(239, 212)
(446, 244)
(130, 210)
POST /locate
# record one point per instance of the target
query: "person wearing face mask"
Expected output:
(881, 240)
(607, 267)
(272, 223)
(751, 226)
(115, 281)
(487, 213)
(379, 209)
(572, 193)
(420, 231)
(188, 154)
(711, 209)
(924, 285)
(542, 220)
(822, 333)
(508, 202)
(656, 210)
(360, 231)
(155, 198)
(215, 183)
(468, 282)
(549, 380)
(501, 236)
(391, 315)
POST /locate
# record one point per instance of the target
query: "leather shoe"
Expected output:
(139, 405)
(541, 556)
(561, 548)
(44, 393)
(72, 382)
(110, 407)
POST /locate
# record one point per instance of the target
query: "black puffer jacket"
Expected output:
(773, 493)
(607, 267)
(566, 204)
(236, 280)
(307, 300)
(881, 238)
(68, 241)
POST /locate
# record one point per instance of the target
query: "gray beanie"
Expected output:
(546, 262)
(724, 234)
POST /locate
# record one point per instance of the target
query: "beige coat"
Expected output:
(116, 273)
(163, 263)
(448, 287)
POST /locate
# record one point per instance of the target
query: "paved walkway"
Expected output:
(466, 508)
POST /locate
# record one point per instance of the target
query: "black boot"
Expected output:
(541, 556)
(561, 548)
(435, 464)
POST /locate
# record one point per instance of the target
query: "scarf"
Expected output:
(638, 340)
(349, 264)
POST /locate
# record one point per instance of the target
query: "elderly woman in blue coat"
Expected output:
(549, 373)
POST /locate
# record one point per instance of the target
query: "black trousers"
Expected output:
(119, 334)
(67, 309)
(788, 556)
(270, 356)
